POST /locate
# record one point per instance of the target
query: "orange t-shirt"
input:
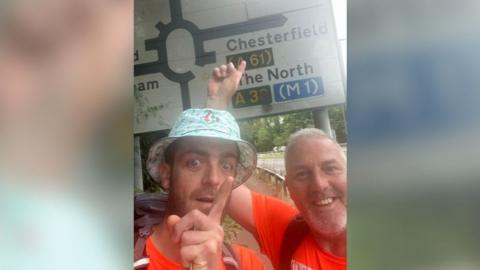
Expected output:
(272, 217)
(158, 261)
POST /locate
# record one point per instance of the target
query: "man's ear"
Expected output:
(165, 173)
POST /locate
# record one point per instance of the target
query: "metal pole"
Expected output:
(322, 121)
(137, 175)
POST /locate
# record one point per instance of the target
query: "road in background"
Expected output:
(275, 164)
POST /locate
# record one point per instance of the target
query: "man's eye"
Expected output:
(193, 163)
(301, 174)
(332, 170)
(227, 166)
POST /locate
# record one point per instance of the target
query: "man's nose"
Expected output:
(319, 181)
(213, 175)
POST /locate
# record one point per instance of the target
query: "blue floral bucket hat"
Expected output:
(205, 123)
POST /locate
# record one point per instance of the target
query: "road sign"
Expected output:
(254, 59)
(290, 48)
(261, 95)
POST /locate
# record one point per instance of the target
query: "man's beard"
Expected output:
(181, 206)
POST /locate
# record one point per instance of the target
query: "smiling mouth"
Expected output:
(324, 202)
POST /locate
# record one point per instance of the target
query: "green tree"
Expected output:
(267, 132)
(265, 136)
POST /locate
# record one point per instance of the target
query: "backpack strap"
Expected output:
(140, 257)
(296, 231)
(230, 258)
(149, 210)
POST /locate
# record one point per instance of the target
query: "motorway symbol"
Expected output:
(298, 89)
(202, 57)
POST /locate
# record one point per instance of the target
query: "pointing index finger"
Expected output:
(221, 200)
(242, 66)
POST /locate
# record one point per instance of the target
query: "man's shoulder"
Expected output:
(308, 253)
(271, 216)
(154, 254)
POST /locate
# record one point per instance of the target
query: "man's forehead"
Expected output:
(319, 142)
(321, 147)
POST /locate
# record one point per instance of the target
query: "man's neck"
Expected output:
(162, 241)
(335, 245)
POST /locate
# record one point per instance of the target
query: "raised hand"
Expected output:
(201, 236)
(223, 83)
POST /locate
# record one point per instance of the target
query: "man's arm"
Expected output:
(222, 85)
(240, 208)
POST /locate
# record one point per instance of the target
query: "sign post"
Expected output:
(322, 121)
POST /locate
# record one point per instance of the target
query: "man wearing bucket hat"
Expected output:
(312, 235)
(199, 163)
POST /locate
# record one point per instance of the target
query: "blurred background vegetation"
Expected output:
(268, 132)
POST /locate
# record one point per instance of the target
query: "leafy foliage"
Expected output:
(267, 132)
(231, 229)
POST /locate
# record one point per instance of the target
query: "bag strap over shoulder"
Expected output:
(230, 258)
(149, 209)
(296, 231)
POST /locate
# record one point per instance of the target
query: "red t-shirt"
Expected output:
(158, 261)
(272, 217)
